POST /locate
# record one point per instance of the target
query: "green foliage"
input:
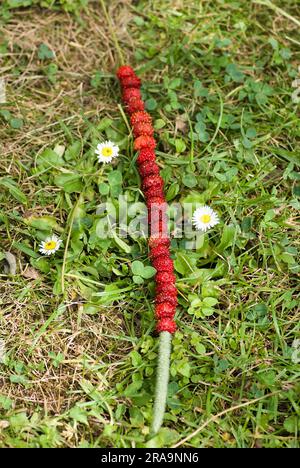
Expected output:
(141, 272)
(45, 53)
(73, 6)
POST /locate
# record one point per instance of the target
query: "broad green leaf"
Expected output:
(16, 123)
(78, 414)
(14, 190)
(41, 264)
(189, 180)
(44, 52)
(184, 368)
(133, 389)
(207, 311)
(115, 177)
(103, 188)
(69, 183)
(159, 123)
(104, 124)
(43, 223)
(120, 243)
(49, 158)
(173, 190)
(210, 301)
(292, 424)
(137, 268)
(25, 249)
(227, 238)
(180, 145)
(151, 104)
(73, 151)
(137, 279)
(148, 272)
(183, 263)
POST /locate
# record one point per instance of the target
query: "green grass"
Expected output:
(80, 366)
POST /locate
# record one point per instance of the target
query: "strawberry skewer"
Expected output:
(159, 243)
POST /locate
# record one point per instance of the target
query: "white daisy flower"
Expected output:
(50, 245)
(205, 218)
(107, 151)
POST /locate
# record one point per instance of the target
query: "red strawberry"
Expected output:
(158, 241)
(144, 141)
(154, 192)
(130, 82)
(159, 229)
(168, 288)
(134, 105)
(158, 225)
(153, 187)
(124, 71)
(163, 264)
(145, 155)
(166, 324)
(160, 250)
(159, 206)
(163, 277)
(130, 93)
(166, 298)
(148, 168)
(164, 309)
(158, 218)
(157, 209)
(151, 200)
(139, 117)
(143, 128)
(157, 212)
(152, 181)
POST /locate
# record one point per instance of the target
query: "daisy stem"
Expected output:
(72, 218)
(112, 32)
(162, 380)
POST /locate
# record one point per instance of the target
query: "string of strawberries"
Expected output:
(153, 189)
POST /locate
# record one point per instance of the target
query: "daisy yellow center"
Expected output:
(205, 218)
(50, 245)
(107, 152)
